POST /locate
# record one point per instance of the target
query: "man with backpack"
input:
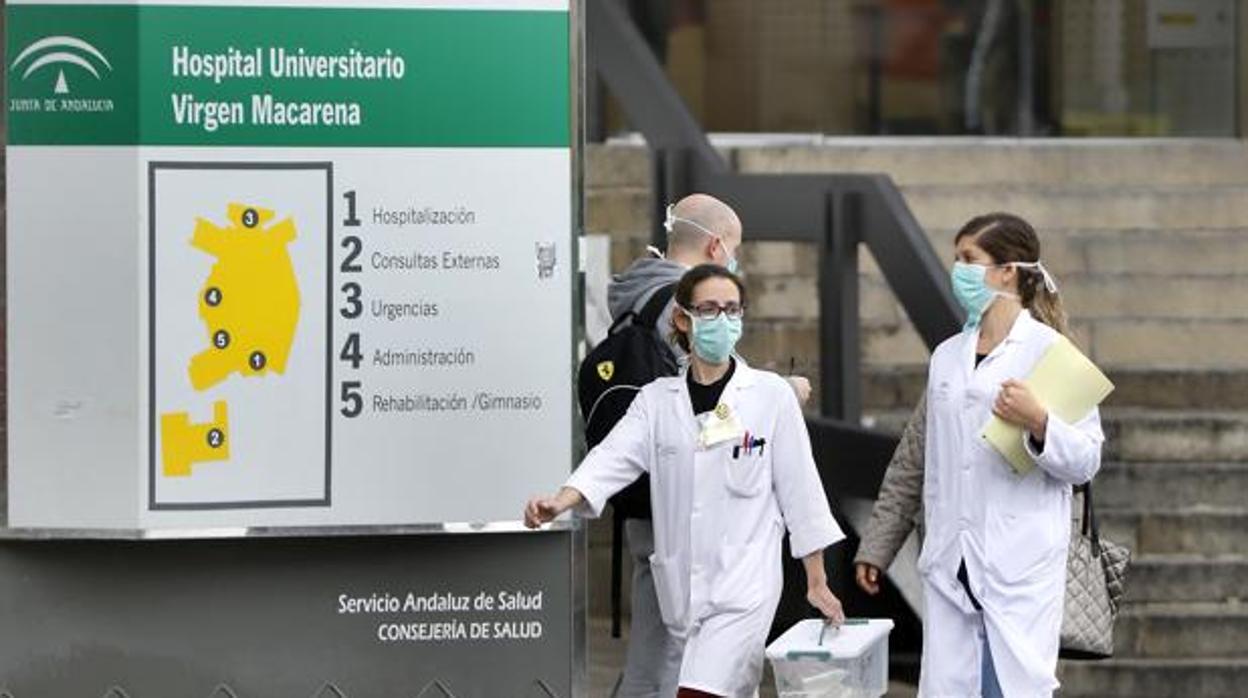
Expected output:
(639, 348)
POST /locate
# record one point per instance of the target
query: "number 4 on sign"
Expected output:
(183, 444)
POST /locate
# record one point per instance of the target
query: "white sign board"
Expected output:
(296, 265)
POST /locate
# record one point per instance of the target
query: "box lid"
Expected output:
(850, 641)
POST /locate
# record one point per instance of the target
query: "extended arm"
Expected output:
(900, 498)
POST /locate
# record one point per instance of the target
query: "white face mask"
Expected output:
(1049, 283)
(971, 289)
(671, 221)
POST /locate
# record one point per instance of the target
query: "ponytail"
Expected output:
(1046, 306)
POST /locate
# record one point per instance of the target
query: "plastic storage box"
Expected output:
(814, 661)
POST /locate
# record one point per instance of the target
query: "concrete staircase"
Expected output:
(1149, 241)
(1184, 512)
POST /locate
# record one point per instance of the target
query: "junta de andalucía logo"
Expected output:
(60, 53)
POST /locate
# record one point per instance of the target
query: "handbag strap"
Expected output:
(1090, 527)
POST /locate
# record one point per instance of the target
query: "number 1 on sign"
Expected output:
(351, 221)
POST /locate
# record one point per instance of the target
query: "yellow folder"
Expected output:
(1067, 383)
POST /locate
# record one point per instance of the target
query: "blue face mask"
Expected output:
(714, 340)
(972, 291)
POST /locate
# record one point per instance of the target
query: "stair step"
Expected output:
(993, 161)
(1094, 296)
(1073, 254)
(1140, 435)
(1071, 206)
(1070, 253)
(1172, 486)
(1142, 343)
(1190, 578)
(1114, 344)
(1091, 297)
(1181, 631)
(1201, 532)
(1179, 389)
(1224, 677)
(1145, 436)
(1210, 253)
(899, 388)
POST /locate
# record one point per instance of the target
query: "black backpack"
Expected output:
(633, 354)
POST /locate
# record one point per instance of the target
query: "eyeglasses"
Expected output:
(709, 310)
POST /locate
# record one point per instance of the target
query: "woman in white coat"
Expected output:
(994, 557)
(730, 468)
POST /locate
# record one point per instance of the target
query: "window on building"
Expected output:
(953, 67)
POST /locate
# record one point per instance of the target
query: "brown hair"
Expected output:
(686, 286)
(1008, 238)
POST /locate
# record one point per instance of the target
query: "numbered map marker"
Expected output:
(184, 444)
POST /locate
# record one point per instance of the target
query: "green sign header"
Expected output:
(285, 76)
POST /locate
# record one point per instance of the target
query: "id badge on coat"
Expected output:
(719, 426)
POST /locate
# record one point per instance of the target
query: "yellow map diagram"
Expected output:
(250, 307)
(183, 443)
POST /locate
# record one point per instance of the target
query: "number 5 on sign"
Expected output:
(353, 403)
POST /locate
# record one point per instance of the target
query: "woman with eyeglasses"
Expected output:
(730, 469)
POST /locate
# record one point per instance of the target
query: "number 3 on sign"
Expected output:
(354, 306)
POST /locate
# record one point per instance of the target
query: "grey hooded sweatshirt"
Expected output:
(630, 289)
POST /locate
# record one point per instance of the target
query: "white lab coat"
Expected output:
(1012, 531)
(718, 521)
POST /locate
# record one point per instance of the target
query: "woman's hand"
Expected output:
(801, 388)
(1017, 405)
(817, 592)
(816, 588)
(822, 598)
(543, 510)
(868, 577)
